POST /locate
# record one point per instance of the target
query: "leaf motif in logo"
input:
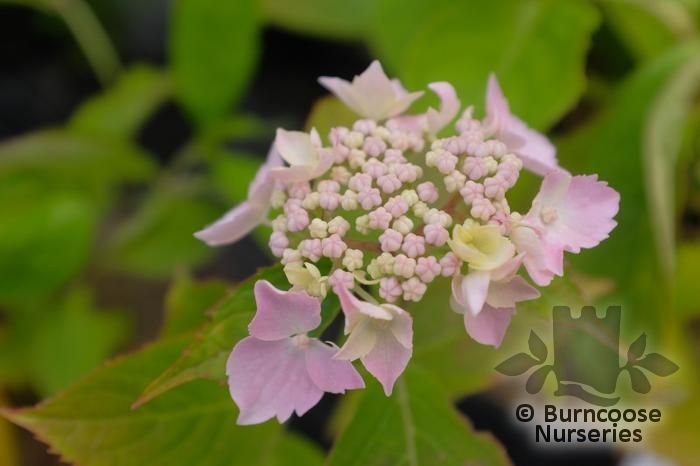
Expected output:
(657, 364)
(640, 383)
(516, 365)
(536, 380)
(537, 347)
(637, 348)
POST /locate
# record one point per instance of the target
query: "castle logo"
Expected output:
(587, 358)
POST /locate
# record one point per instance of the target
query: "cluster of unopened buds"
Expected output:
(380, 211)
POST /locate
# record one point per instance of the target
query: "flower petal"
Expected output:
(402, 326)
(330, 374)
(359, 343)
(489, 326)
(475, 288)
(585, 209)
(542, 260)
(268, 379)
(387, 360)
(234, 225)
(281, 314)
(536, 151)
(507, 294)
(296, 148)
(449, 107)
(354, 309)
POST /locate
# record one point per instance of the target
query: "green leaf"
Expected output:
(86, 337)
(120, 111)
(687, 298)
(232, 173)
(537, 378)
(537, 49)
(415, 426)
(611, 146)
(517, 364)
(636, 349)
(206, 355)
(648, 27)
(658, 364)
(92, 422)
(159, 236)
(336, 19)
(213, 50)
(78, 159)
(187, 303)
(45, 236)
(662, 143)
(640, 383)
(329, 112)
(537, 347)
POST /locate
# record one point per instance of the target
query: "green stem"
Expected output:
(363, 294)
(90, 36)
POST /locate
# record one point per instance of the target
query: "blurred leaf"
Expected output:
(658, 364)
(120, 111)
(687, 298)
(336, 19)
(9, 456)
(415, 426)
(537, 347)
(45, 236)
(84, 335)
(78, 159)
(92, 422)
(640, 383)
(329, 112)
(441, 344)
(637, 348)
(187, 303)
(232, 173)
(206, 354)
(536, 380)
(159, 236)
(676, 437)
(213, 50)
(611, 146)
(662, 143)
(648, 27)
(517, 364)
(537, 49)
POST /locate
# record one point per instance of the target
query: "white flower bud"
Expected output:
(318, 228)
(403, 225)
(311, 201)
(353, 259)
(362, 224)
(349, 200)
(278, 199)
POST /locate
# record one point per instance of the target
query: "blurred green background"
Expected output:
(127, 125)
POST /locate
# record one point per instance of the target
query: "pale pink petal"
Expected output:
(542, 260)
(585, 209)
(508, 269)
(475, 287)
(234, 225)
(260, 189)
(402, 326)
(353, 308)
(489, 326)
(535, 150)
(342, 90)
(329, 374)
(387, 360)
(359, 343)
(293, 174)
(296, 147)
(269, 379)
(507, 294)
(281, 314)
(449, 107)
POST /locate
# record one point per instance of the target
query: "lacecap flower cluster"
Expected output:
(375, 213)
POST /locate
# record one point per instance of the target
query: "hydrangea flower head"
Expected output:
(379, 211)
